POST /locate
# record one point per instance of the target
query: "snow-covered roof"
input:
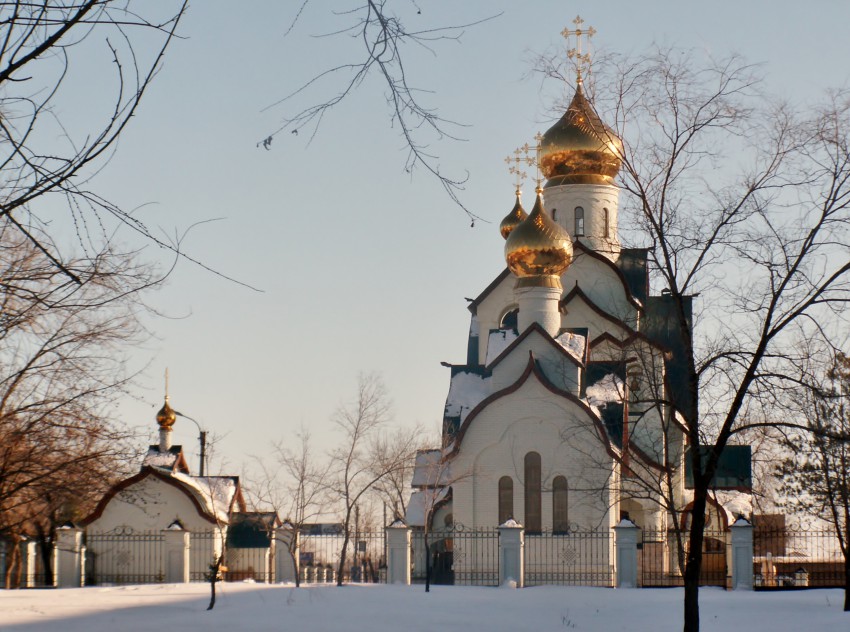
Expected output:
(574, 344)
(216, 493)
(465, 393)
(419, 501)
(163, 460)
(498, 341)
(610, 389)
(429, 470)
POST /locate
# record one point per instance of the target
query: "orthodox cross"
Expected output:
(579, 58)
(520, 157)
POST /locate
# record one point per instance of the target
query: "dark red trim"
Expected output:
(473, 306)
(577, 245)
(535, 327)
(577, 292)
(532, 369)
(143, 474)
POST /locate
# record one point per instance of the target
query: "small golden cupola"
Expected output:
(166, 415)
(514, 218)
(538, 250)
(580, 148)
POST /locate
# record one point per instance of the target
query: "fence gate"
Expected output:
(573, 558)
(658, 559)
(788, 558)
(124, 557)
(461, 556)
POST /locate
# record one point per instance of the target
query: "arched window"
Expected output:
(579, 221)
(509, 320)
(606, 226)
(560, 518)
(555, 214)
(533, 496)
(506, 499)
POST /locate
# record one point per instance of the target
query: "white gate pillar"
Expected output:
(69, 557)
(176, 552)
(286, 539)
(511, 553)
(742, 555)
(398, 553)
(28, 562)
(626, 536)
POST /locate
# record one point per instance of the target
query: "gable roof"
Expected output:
(578, 294)
(144, 473)
(578, 246)
(474, 303)
(532, 368)
(172, 460)
(534, 327)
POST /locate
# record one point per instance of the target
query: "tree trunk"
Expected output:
(341, 568)
(693, 565)
(215, 568)
(45, 551)
(296, 564)
(847, 583)
(13, 561)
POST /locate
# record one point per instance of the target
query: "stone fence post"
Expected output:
(626, 534)
(286, 539)
(69, 557)
(398, 553)
(511, 553)
(742, 555)
(176, 553)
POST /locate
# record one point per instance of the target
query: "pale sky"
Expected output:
(361, 267)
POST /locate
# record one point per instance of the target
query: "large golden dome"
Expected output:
(538, 247)
(514, 218)
(166, 416)
(580, 148)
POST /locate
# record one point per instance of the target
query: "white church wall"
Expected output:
(534, 419)
(560, 370)
(580, 314)
(149, 505)
(602, 285)
(561, 202)
(491, 310)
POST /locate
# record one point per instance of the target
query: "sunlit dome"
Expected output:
(514, 218)
(580, 148)
(166, 416)
(539, 246)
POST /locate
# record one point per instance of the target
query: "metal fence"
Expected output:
(366, 557)
(123, 557)
(788, 558)
(465, 557)
(575, 558)
(204, 546)
(658, 559)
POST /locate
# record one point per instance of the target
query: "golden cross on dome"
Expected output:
(538, 137)
(580, 59)
(516, 160)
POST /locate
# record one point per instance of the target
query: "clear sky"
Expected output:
(361, 267)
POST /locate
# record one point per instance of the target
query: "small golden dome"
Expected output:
(538, 246)
(514, 218)
(580, 148)
(166, 416)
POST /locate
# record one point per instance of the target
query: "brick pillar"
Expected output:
(511, 553)
(69, 557)
(398, 553)
(626, 564)
(176, 553)
(285, 569)
(742, 555)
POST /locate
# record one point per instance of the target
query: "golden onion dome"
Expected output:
(580, 148)
(539, 246)
(166, 416)
(514, 218)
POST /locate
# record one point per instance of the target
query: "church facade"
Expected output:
(564, 416)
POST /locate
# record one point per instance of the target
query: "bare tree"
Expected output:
(385, 44)
(743, 200)
(62, 345)
(294, 485)
(46, 161)
(394, 488)
(362, 459)
(816, 470)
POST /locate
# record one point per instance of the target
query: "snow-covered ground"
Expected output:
(399, 608)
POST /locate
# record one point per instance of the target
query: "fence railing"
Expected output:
(575, 558)
(460, 556)
(659, 561)
(124, 558)
(788, 558)
(366, 557)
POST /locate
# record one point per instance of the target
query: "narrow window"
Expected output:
(555, 214)
(606, 226)
(560, 523)
(506, 499)
(533, 496)
(579, 221)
